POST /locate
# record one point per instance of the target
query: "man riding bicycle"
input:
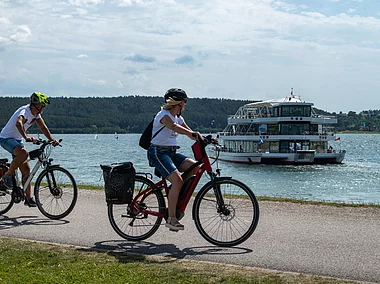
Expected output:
(11, 139)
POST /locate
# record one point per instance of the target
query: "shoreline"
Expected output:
(276, 199)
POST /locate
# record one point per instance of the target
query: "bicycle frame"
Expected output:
(42, 161)
(205, 166)
(30, 178)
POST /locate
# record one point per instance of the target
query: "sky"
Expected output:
(327, 50)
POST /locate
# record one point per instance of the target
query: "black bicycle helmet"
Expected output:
(175, 94)
(39, 98)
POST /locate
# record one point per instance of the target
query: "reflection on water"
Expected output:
(355, 181)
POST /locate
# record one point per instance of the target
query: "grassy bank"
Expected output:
(276, 199)
(33, 262)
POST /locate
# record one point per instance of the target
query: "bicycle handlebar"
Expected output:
(46, 142)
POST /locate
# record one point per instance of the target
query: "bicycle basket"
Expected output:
(119, 180)
(35, 154)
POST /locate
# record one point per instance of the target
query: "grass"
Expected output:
(275, 199)
(25, 261)
(336, 204)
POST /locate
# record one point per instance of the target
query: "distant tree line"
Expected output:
(131, 114)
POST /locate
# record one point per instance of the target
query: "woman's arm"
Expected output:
(181, 129)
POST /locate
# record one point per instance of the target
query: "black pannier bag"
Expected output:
(119, 182)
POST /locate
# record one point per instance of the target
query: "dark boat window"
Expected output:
(295, 129)
(296, 110)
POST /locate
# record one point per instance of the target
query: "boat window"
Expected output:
(297, 110)
(273, 129)
(295, 129)
(294, 146)
(275, 112)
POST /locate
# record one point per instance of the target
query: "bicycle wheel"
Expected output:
(56, 192)
(6, 200)
(135, 226)
(230, 223)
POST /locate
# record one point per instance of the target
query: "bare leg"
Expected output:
(20, 156)
(25, 171)
(177, 182)
(187, 164)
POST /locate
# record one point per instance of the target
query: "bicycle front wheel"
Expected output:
(135, 226)
(56, 192)
(6, 200)
(231, 222)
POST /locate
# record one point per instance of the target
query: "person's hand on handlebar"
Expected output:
(196, 136)
(30, 139)
(55, 142)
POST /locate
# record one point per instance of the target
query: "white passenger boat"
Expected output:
(282, 131)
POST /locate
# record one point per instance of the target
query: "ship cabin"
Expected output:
(278, 126)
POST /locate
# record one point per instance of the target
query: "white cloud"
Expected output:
(98, 82)
(125, 3)
(246, 49)
(85, 2)
(22, 34)
(4, 21)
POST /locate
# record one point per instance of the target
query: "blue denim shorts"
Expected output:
(10, 144)
(165, 159)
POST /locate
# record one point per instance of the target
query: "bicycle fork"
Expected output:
(221, 208)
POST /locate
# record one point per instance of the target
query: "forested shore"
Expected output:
(130, 114)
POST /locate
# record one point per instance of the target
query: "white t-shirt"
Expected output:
(10, 130)
(166, 137)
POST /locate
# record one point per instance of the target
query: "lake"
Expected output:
(357, 180)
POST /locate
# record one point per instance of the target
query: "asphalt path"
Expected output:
(342, 242)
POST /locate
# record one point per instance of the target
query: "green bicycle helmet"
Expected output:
(39, 98)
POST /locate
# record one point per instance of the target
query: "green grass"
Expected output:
(336, 204)
(33, 262)
(274, 199)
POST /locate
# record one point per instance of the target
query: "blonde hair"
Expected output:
(170, 104)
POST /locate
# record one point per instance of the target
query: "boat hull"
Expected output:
(279, 158)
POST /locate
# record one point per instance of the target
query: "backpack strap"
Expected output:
(155, 134)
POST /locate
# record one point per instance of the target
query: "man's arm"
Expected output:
(41, 124)
(20, 128)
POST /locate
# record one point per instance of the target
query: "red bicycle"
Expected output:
(225, 210)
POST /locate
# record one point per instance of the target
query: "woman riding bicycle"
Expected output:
(15, 130)
(162, 154)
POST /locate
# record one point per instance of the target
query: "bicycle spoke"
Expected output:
(56, 193)
(135, 225)
(229, 223)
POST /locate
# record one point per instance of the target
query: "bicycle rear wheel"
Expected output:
(6, 200)
(56, 192)
(230, 223)
(135, 226)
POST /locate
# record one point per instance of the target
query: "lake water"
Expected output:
(357, 180)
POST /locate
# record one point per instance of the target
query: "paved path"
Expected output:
(320, 240)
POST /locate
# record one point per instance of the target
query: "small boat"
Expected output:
(281, 131)
(116, 135)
